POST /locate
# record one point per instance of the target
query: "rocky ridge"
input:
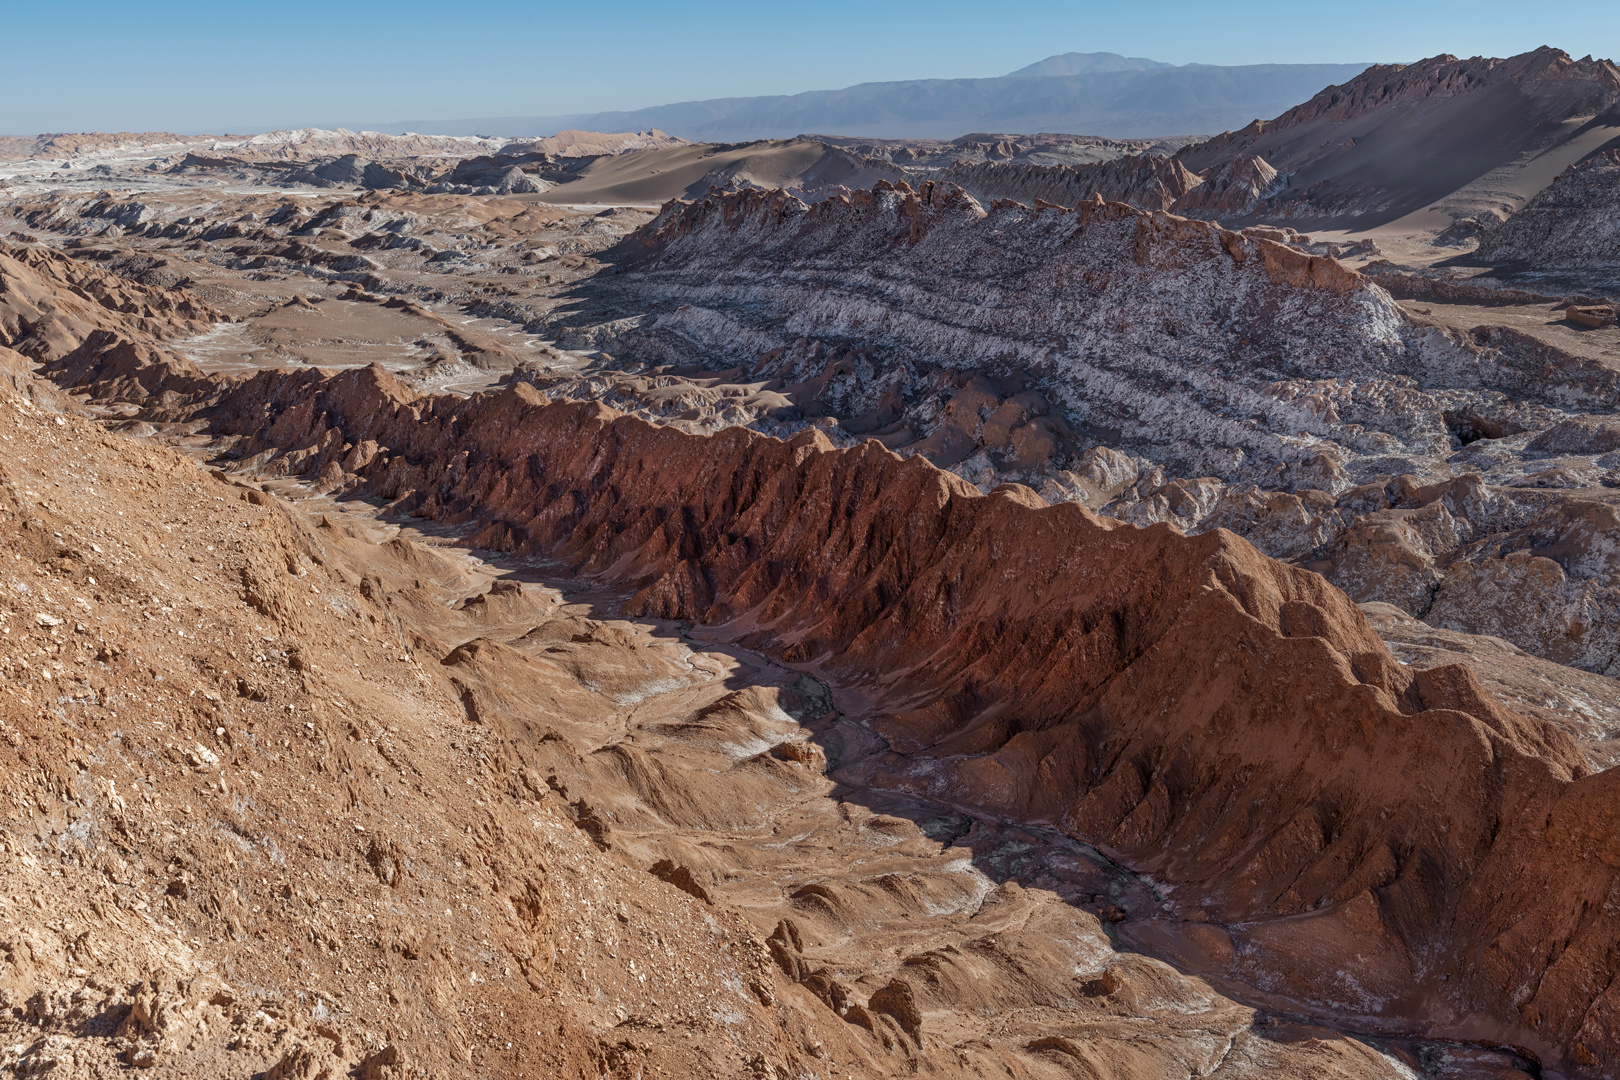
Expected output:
(1322, 487)
(1399, 137)
(1150, 181)
(314, 158)
(1046, 148)
(1207, 307)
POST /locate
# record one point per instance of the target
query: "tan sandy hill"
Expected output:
(1470, 137)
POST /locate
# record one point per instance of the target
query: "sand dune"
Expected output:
(653, 177)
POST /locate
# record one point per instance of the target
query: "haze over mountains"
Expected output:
(1089, 93)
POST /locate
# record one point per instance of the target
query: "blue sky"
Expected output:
(211, 67)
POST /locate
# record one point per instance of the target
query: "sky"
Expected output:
(233, 67)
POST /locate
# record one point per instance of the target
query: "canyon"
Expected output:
(832, 606)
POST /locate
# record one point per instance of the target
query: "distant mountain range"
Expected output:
(1075, 93)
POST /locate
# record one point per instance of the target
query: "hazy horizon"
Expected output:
(195, 68)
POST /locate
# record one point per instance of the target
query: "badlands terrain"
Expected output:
(1032, 605)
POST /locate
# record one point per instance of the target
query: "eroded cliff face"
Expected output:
(1226, 724)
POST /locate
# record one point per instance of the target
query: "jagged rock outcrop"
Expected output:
(1572, 223)
(1234, 188)
(1044, 148)
(577, 144)
(350, 170)
(50, 303)
(484, 175)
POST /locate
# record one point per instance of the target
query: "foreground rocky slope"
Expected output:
(250, 828)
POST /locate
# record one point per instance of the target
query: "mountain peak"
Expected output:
(1078, 63)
